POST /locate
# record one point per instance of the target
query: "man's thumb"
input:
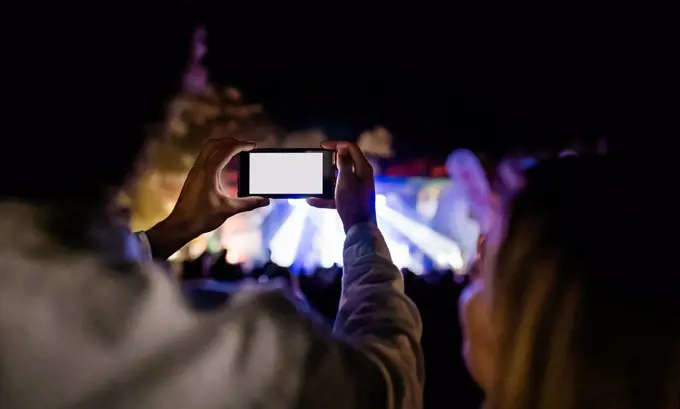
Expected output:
(344, 162)
(244, 204)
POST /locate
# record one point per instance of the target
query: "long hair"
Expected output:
(576, 326)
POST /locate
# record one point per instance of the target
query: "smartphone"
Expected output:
(287, 173)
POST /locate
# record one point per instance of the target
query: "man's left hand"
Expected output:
(203, 205)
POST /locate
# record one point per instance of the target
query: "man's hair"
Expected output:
(577, 328)
(94, 85)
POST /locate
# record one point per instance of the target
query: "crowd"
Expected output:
(554, 316)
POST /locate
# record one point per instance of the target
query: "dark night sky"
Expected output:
(435, 85)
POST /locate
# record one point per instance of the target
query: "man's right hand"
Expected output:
(355, 188)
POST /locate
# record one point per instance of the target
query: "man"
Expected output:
(84, 324)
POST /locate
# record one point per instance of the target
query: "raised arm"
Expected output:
(377, 317)
(379, 324)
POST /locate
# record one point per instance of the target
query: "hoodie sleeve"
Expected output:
(378, 362)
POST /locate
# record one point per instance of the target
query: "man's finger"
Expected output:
(207, 147)
(362, 168)
(225, 150)
(244, 204)
(321, 203)
(221, 155)
(344, 162)
(333, 145)
(210, 146)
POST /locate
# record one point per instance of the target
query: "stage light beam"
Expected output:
(284, 245)
(436, 246)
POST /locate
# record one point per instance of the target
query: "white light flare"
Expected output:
(284, 245)
(444, 251)
(332, 238)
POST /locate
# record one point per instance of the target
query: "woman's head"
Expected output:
(574, 325)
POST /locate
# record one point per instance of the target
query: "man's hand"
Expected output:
(203, 205)
(355, 188)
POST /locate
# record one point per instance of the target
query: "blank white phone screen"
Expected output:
(294, 173)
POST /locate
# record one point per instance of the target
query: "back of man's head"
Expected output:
(93, 83)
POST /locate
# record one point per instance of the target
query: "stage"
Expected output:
(302, 238)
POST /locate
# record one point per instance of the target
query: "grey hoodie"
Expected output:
(78, 331)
